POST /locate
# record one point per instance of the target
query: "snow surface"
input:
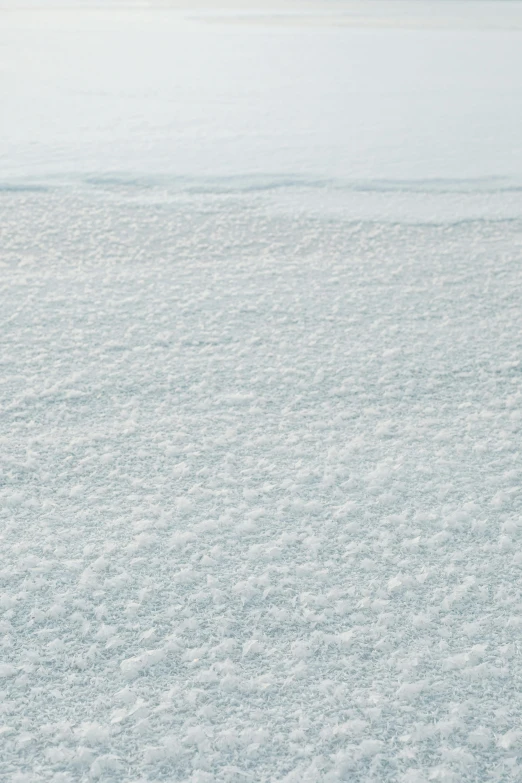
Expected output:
(260, 471)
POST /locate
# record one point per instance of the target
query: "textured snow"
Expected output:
(260, 467)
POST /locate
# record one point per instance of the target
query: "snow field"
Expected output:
(259, 494)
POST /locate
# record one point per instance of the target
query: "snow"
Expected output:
(260, 395)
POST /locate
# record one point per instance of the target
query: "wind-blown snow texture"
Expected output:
(260, 496)
(260, 511)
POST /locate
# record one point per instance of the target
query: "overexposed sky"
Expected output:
(473, 14)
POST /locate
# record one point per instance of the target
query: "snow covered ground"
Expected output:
(260, 395)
